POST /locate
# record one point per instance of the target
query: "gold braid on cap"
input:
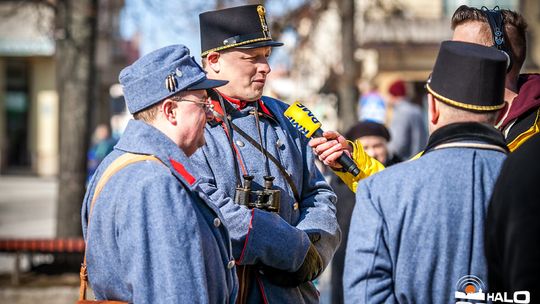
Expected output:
(262, 18)
(461, 104)
(265, 30)
(232, 45)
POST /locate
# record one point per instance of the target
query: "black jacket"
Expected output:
(513, 224)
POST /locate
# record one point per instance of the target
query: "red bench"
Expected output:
(38, 246)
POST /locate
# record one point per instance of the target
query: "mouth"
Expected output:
(260, 80)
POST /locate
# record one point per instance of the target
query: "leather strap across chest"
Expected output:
(230, 125)
(117, 165)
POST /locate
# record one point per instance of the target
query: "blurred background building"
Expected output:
(29, 109)
(393, 40)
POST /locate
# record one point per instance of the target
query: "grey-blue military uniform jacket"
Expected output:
(154, 236)
(418, 227)
(260, 237)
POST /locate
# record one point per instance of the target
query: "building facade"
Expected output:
(29, 107)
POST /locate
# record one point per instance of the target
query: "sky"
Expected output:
(162, 23)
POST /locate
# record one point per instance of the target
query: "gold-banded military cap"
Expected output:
(469, 76)
(235, 27)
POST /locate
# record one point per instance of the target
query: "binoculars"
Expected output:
(266, 199)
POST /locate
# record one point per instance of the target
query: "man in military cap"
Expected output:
(417, 227)
(277, 205)
(152, 235)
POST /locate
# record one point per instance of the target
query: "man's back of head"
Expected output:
(472, 25)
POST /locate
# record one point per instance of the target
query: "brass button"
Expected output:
(217, 222)
(230, 265)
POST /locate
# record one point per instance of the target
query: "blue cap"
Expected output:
(161, 74)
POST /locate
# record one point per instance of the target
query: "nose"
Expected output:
(264, 67)
(370, 151)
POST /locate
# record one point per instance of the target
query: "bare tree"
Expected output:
(76, 24)
(347, 92)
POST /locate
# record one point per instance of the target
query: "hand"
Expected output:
(309, 271)
(329, 148)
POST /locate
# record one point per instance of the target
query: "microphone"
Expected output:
(304, 120)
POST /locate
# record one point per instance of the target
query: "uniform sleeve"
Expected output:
(318, 209)
(368, 268)
(160, 240)
(367, 165)
(257, 236)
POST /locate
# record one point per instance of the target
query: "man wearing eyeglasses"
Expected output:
(152, 235)
(258, 169)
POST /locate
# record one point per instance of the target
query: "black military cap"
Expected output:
(367, 128)
(469, 76)
(235, 27)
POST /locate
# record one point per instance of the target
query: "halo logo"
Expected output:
(471, 290)
(468, 288)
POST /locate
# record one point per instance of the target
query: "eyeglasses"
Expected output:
(204, 103)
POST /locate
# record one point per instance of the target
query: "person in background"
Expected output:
(512, 225)
(279, 248)
(410, 136)
(416, 228)
(371, 105)
(374, 138)
(521, 118)
(407, 126)
(102, 145)
(152, 235)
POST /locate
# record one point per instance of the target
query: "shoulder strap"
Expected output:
(117, 165)
(230, 125)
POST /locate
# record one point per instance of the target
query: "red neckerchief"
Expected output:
(240, 105)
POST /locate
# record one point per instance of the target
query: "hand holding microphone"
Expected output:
(304, 120)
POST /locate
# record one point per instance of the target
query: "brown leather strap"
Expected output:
(246, 276)
(253, 142)
(118, 164)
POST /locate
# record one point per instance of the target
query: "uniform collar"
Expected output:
(239, 104)
(233, 105)
(467, 132)
(142, 138)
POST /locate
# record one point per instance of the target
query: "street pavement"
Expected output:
(27, 209)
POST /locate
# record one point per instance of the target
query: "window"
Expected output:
(17, 104)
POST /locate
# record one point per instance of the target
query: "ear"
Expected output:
(169, 108)
(212, 61)
(433, 110)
